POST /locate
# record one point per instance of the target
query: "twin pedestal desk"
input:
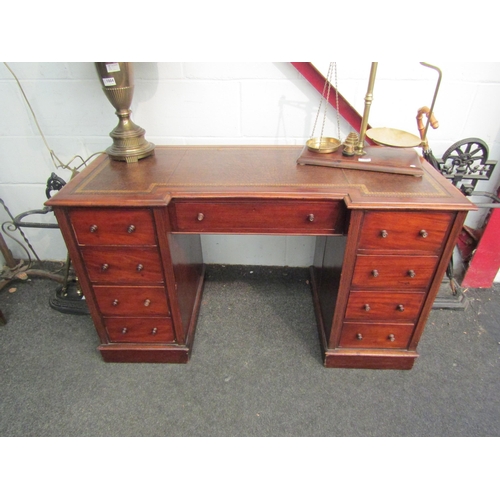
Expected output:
(383, 243)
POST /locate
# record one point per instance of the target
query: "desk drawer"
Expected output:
(376, 335)
(140, 330)
(412, 232)
(259, 216)
(392, 306)
(393, 271)
(123, 264)
(108, 226)
(131, 300)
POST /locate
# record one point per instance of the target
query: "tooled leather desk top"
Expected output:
(250, 171)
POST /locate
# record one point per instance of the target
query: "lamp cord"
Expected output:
(55, 160)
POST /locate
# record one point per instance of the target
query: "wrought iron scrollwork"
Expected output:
(54, 183)
(68, 297)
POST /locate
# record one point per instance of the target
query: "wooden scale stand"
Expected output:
(383, 243)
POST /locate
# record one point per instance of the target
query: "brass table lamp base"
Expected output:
(129, 143)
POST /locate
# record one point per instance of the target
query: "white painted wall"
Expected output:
(221, 103)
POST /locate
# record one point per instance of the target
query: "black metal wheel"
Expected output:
(466, 160)
(466, 154)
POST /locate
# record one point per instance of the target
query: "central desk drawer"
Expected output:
(259, 216)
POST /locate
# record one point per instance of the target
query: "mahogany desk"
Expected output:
(383, 242)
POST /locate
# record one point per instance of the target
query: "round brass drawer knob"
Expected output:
(391, 337)
(384, 233)
(411, 273)
(310, 217)
(200, 216)
(147, 302)
(424, 233)
(366, 307)
(131, 229)
(375, 273)
(93, 228)
(359, 336)
(139, 268)
(400, 307)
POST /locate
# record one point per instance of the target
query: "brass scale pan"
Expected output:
(382, 136)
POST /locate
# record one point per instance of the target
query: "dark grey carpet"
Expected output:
(256, 370)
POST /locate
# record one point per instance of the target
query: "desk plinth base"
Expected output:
(144, 354)
(344, 358)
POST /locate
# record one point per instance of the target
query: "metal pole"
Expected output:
(368, 101)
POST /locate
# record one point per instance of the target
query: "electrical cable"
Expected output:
(53, 156)
(12, 226)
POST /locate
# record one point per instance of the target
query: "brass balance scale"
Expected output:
(396, 154)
